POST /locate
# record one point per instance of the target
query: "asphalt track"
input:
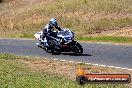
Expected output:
(104, 54)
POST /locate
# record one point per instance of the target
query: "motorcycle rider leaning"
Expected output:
(48, 30)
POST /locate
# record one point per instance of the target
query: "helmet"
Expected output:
(53, 22)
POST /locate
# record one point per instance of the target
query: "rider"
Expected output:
(48, 30)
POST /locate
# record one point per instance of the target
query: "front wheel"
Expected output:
(76, 48)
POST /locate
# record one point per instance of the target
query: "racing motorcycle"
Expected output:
(63, 43)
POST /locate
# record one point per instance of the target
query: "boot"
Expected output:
(46, 44)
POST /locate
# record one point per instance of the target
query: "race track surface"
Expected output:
(106, 54)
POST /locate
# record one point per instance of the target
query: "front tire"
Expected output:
(76, 48)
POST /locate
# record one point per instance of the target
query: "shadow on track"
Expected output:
(71, 54)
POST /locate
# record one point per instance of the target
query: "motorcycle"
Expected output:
(63, 43)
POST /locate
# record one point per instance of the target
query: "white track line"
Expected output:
(37, 57)
(117, 67)
(78, 62)
(99, 65)
(88, 63)
(111, 66)
(71, 61)
(55, 59)
(91, 64)
(63, 60)
(129, 69)
(96, 64)
(124, 68)
(102, 65)
(27, 56)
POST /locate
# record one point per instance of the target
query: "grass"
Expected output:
(15, 74)
(23, 19)
(112, 39)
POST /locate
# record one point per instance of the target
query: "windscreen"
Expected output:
(64, 33)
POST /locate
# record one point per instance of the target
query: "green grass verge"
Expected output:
(112, 39)
(14, 74)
